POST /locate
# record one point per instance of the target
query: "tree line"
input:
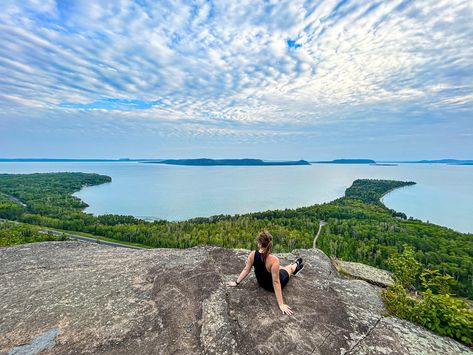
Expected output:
(360, 228)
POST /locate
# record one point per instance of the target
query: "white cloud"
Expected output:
(219, 62)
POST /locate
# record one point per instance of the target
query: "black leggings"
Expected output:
(283, 279)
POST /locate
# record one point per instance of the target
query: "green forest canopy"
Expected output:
(359, 227)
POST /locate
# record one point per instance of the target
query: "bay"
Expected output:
(443, 193)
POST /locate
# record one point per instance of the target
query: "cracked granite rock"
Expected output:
(79, 298)
(375, 276)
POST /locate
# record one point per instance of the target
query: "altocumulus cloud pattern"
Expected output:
(228, 67)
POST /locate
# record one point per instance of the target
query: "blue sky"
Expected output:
(263, 79)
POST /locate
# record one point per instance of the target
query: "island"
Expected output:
(235, 162)
(346, 161)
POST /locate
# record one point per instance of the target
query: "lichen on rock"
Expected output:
(106, 300)
(370, 274)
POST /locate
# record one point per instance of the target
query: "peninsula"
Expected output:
(38, 207)
(243, 162)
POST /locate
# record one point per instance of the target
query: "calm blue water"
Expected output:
(443, 194)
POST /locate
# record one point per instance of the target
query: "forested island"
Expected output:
(206, 161)
(232, 162)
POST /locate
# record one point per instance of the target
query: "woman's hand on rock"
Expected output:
(285, 309)
(232, 284)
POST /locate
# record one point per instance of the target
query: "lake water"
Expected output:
(443, 193)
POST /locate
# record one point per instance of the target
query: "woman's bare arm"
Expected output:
(285, 309)
(246, 270)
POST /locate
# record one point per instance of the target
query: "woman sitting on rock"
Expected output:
(270, 275)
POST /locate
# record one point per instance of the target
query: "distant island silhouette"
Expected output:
(243, 162)
(233, 162)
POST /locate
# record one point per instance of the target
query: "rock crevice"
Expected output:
(352, 349)
(170, 301)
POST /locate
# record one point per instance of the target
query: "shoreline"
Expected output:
(388, 192)
(151, 219)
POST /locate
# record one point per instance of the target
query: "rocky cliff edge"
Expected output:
(72, 297)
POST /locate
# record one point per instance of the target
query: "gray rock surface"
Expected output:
(105, 300)
(364, 272)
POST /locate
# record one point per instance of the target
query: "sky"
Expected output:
(236, 79)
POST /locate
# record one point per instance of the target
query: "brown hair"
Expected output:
(266, 241)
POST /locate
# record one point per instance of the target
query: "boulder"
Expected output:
(73, 297)
(374, 276)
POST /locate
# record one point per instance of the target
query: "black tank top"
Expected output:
(264, 277)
